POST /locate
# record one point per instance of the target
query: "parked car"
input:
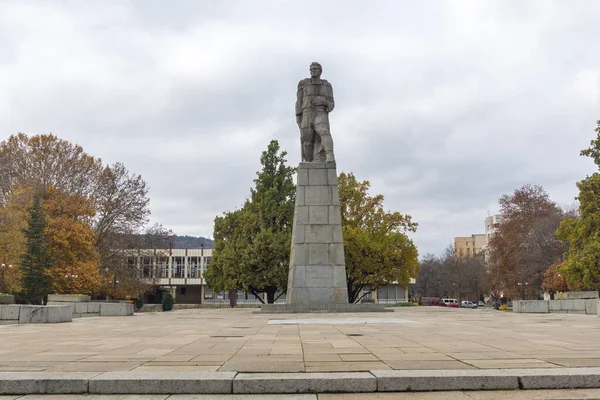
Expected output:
(481, 304)
(450, 303)
(467, 304)
(430, 301)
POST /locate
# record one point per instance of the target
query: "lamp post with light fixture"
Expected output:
(4, 268)
(71, 278)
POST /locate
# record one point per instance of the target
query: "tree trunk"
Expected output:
(259, 298)
(271, 295)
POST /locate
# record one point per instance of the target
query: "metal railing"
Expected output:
(390, 301)
(239, 301)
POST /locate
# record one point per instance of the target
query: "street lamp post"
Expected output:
(523, 285)
(3, 270)
(71, 278)
(114, 282)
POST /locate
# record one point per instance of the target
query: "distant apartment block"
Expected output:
(467, 246)
(491, 226)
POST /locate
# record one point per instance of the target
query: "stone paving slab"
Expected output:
(238, 340)
(143, 382)
(94, 397)
(245, 397)
(574, 394)
(305, 383)
(577, 394)
(44, 382)
(406, 381)
(563, 378)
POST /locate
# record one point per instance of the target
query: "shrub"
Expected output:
(167, 302)
(139, 303)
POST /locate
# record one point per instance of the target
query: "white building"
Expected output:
(181, 271)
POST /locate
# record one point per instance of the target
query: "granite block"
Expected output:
(320, 234)
(437, 380)
(558, 378)
(9, 312)
(349, 382)
(144, 382)
(317, 195)
(318, 215)
(44, 382)
(317, 176)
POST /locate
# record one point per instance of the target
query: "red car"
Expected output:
(430, 301)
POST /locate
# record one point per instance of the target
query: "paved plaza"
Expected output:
(241, 340)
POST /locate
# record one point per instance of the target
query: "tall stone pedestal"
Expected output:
(317, 267)
(317, 277)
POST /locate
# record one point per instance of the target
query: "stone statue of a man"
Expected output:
(314, 103)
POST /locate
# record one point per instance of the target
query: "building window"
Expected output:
(193, 267)
(163, 267)
(178, 267)
(147, 271)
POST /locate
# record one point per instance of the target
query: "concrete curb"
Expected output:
(45, 382)
(142, 382)
(311, 382)
(559, 378)
(145, 382)
(427, 380)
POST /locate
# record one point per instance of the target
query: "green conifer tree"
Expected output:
(36, 259)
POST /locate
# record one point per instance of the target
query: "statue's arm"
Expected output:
(299, 96)
(329, 98)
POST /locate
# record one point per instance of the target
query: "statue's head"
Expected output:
(315, 69)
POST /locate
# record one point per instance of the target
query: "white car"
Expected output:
(467, 304)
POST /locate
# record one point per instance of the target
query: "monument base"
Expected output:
(322, 308)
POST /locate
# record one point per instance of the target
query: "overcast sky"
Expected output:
(443, 106)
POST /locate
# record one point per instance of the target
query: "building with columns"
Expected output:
(180, 271)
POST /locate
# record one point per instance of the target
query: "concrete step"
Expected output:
(141, 382)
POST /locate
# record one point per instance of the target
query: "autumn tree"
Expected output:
(582, 234)
(36, 260)
(13, 222)
(122, 276)
(252, 244)
(42, 161)
(121, 202)
(116, 200)
(465, 275)
(71, 240)
(431, 280)
(377, 248)
(555, 279)
(525, 245)
(452, 275)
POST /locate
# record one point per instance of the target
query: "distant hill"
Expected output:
(191, 242)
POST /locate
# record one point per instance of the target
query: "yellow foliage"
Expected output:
(70, 235)
(72, 243)
(13, 220)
